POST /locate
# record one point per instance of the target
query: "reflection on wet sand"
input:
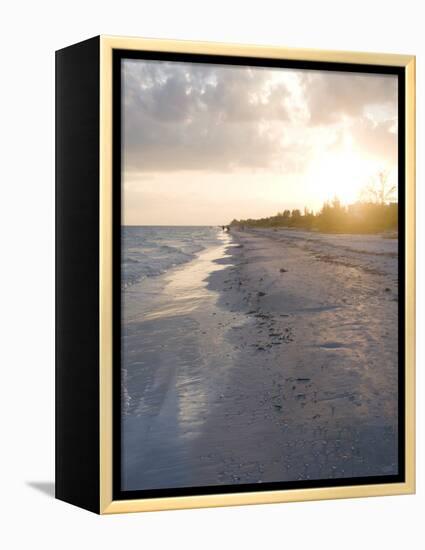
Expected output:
(175, 359)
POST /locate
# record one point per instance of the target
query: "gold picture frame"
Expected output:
(107, 505)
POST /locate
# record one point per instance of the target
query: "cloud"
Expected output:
(216, 118)
(331, 95)
(359, 107)
(185, 116)
(378, 139)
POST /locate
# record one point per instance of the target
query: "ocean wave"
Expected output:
(150, 252)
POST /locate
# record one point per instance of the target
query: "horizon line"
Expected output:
(174, 225)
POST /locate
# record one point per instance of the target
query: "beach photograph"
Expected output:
(259, 336)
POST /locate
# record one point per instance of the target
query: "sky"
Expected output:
(204, 144)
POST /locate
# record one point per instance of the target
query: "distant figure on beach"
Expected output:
(225, 228)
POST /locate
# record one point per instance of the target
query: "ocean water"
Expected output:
(149, 251)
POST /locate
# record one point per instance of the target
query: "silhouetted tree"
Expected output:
(379, 190)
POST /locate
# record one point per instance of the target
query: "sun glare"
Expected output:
(343, 174)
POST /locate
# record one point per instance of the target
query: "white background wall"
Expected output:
(30, 32)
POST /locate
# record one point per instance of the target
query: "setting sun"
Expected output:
(344, 174)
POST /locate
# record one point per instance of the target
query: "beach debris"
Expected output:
(387, 289)
(261, 293)
(283, 270)
(262, 315)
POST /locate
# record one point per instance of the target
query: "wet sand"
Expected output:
(272, 357)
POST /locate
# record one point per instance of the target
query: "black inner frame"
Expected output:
(118, 56)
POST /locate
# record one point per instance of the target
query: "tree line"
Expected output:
(376, 212)
(360, 217)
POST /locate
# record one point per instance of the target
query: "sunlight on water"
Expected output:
(187, 287)
(172, 374)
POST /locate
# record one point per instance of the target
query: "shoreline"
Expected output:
(266, 377)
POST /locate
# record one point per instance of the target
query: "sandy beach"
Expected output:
(269, 357)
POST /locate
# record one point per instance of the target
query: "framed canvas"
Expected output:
(235, 274)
